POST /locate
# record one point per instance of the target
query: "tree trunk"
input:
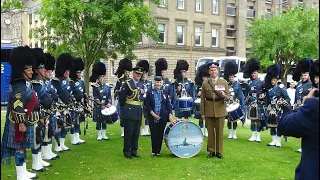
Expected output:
(86, 76)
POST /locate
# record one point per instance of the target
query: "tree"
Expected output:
(9, 5)
(286, 38)
(95, 29)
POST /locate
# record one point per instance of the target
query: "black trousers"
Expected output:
(157, 131)
(131, 136)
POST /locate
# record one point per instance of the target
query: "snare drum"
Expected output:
(185, 103)
(109, 114)
(234, 112)
(183, 138)
(197, 113)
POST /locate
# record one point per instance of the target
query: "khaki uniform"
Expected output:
(214, 109)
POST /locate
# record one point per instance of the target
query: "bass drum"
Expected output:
(183, 138)
(110, 114)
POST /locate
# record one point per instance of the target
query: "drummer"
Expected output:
(202, 75)
(159, 112)
(102, 98)
(276, 98)
(230, 70)
(180, 83)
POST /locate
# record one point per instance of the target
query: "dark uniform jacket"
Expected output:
(302, 90)
(130, 100)
(119, 84)
(303, 122)
(63, 89)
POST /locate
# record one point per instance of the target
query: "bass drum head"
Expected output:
(108, 111)
(197, 101)
(184, 139)
(233, 107)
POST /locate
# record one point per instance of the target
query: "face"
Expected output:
(79, 74)
(184, 74)
(127, 74)
(316, 80)
(144, 76)
(204, 78)
(254, 75)
(274, 81)
(48, 74)
(41, 72)
(213, 72)
(164, 74)
(305, 77)
(158, 84)
(136, 76)
(27, 75)
(291, 86)
(100, 79)
(231, 79)
(66, 74)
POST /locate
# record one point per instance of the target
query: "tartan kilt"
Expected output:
(118, 110)
(28, 137)
(261, 113)
(53, 123)
(97, 116)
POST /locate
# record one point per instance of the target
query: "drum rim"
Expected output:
(182, 121)
(233, 104)
(185, 98)
(113, 109)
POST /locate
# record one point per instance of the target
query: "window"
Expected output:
(162, 3)
(141, 39)
(250, 12)
(197, 36)
(180, 4)
(180, 35)
(215, 6)
(112, 68)
(162, 32)
(267, 14)
(30, 18)
(231, 10)
(42, 45)
(198, 6)
(231, 27)
(231, 34)
(36, 45)
(215, 38)
(36, 17)
(269, 1)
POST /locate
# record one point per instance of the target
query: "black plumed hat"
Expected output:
(124, 65)
(64, 63)
(203, 71)
(314, 71)
(161, 65)
(230, 69)
(99, 69)
(21, 58)
(40, 58)
(77, 65)
(273, 71)
(303, 66)
(50, 62)
(251, 66)
(144, 64)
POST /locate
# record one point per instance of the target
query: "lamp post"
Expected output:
(191, 59)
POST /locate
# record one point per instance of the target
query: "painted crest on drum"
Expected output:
(183, 138)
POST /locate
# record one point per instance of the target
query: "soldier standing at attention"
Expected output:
(131, 101)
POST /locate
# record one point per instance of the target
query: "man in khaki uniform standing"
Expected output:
(215, 92)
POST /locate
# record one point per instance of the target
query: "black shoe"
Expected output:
(219, 155)
(211, 154)
(153, 154)
(135, 155)
(128, 156)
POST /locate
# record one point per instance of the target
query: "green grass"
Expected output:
(104, 160)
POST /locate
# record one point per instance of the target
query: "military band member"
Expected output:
(144, 86)
(202, 75)
(276, 99)
(180, 85)
(255, 98)
(131, 101)
(214, 93)
(61, 83)
(161, 70)
(45, 102)
(50, 66)
(157, 104)
(230, 70)
(102, 99)
(301, 75)
(22, 112)
(123, 73)
(78, 92)
(314, 76)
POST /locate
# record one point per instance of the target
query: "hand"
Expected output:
(109, 105)
(310, 95)
(41, 121)
(170, 119)
(203, 117)
(199, 93)
(179, 87)
(222, 93)
(156, 117)
(22, 128)
(103, 107)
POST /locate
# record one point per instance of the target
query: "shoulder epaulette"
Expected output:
(35, 81)
(173, 81)
(94, 84)
(55, 79)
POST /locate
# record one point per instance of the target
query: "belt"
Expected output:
(215, 99)
(137, 103)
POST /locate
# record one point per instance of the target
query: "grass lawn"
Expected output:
(104, 160)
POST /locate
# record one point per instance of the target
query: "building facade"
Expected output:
(188, 29)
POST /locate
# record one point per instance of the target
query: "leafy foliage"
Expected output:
(95, 29)
(286, 38)
(12, 4)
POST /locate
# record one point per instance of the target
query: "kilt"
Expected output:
(28, 137)
(53, 123)
(97, 116)
(261, 112)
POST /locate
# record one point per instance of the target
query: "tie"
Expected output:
(214, 81)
